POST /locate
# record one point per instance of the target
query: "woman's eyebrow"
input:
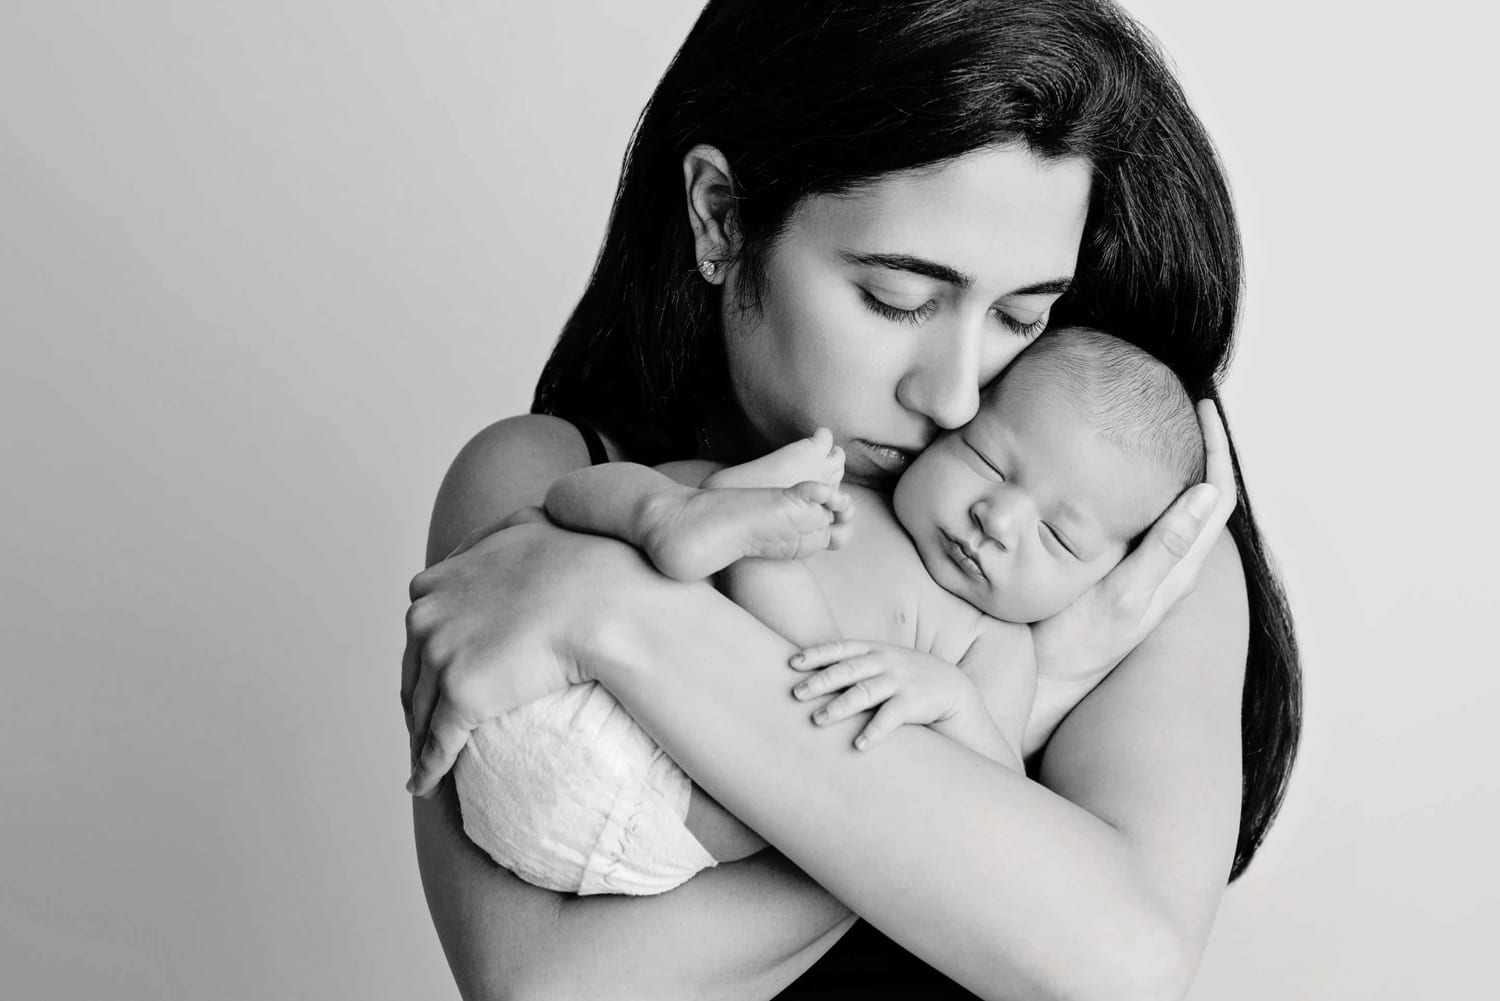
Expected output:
(946, 273)
(916, 265)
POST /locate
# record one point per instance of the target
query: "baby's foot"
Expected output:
(696, 534)
(816, 459)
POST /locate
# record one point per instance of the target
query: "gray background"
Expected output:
(265, 267)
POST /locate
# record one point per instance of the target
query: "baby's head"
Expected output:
(1077, 448)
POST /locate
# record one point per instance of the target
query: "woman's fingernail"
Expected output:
(861, 742)
(1202, 502)
(821, 716)
(800, 691)
(797, 660)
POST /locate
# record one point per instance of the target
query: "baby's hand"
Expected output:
(908, 686)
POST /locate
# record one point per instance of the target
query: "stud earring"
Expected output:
(708, 268)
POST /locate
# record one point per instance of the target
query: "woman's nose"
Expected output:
(943, 379)
(998, 514)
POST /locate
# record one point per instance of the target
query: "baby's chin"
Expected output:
(1003, 602)
(1007, 609)
(1011, 602)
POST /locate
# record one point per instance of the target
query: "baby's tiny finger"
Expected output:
(835, 677)
(813, 657)
(855, 699)
(887, 718)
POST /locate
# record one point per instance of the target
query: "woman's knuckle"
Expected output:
(1177, 540)
(436, 650)
(423, 583)
(1126, 606)
(420, 616)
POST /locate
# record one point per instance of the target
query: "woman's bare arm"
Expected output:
(742, 930)
(1105, 887)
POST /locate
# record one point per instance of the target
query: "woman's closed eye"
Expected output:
(917, 314)
(896, 313)
(1026, 330)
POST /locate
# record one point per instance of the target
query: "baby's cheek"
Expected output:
(1052, 590)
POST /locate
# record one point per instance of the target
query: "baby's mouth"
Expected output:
(965, 558)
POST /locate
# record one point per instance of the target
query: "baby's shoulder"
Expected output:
(933, 619)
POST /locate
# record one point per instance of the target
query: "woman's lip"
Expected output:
(887, 457)
(965, 558)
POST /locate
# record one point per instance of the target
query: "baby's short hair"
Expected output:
(1133, 400)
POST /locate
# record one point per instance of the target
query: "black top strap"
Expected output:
(595, 444)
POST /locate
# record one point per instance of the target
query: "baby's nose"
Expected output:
(996, 519)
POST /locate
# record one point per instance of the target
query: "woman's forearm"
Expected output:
(1008, 888)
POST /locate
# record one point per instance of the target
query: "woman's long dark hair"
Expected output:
(807, 98)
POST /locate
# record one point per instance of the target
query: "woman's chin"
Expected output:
(868, 475)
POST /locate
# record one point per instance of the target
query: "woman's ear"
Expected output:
(711, 210)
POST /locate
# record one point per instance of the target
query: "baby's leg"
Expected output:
(815, 459)
(720, 832)
(783, 506)
(697, 533)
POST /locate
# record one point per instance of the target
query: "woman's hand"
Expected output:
(497, 625)
(1096, 632)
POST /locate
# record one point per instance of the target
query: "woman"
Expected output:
(855, 215)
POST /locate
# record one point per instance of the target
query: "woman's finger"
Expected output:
(1219, 465)
(1164, 566)
(423, 700)
(1131, 587)
(856, 699)
(1218, 462)
(445, 739)
(836, 677)
(824, 654)
(410, 665)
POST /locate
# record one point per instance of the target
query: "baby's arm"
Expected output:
(786, 505)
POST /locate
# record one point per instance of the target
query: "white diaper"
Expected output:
(569, 793)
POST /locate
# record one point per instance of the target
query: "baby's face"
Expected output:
(1024, 508)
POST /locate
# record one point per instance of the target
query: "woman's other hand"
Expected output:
(1111, 618)
(497, 625)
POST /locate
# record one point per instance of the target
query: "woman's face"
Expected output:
(886, 309)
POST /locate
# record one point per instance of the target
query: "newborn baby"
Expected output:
(1075, 451)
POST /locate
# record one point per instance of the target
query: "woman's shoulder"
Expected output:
(505, 467)
(540, 435)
